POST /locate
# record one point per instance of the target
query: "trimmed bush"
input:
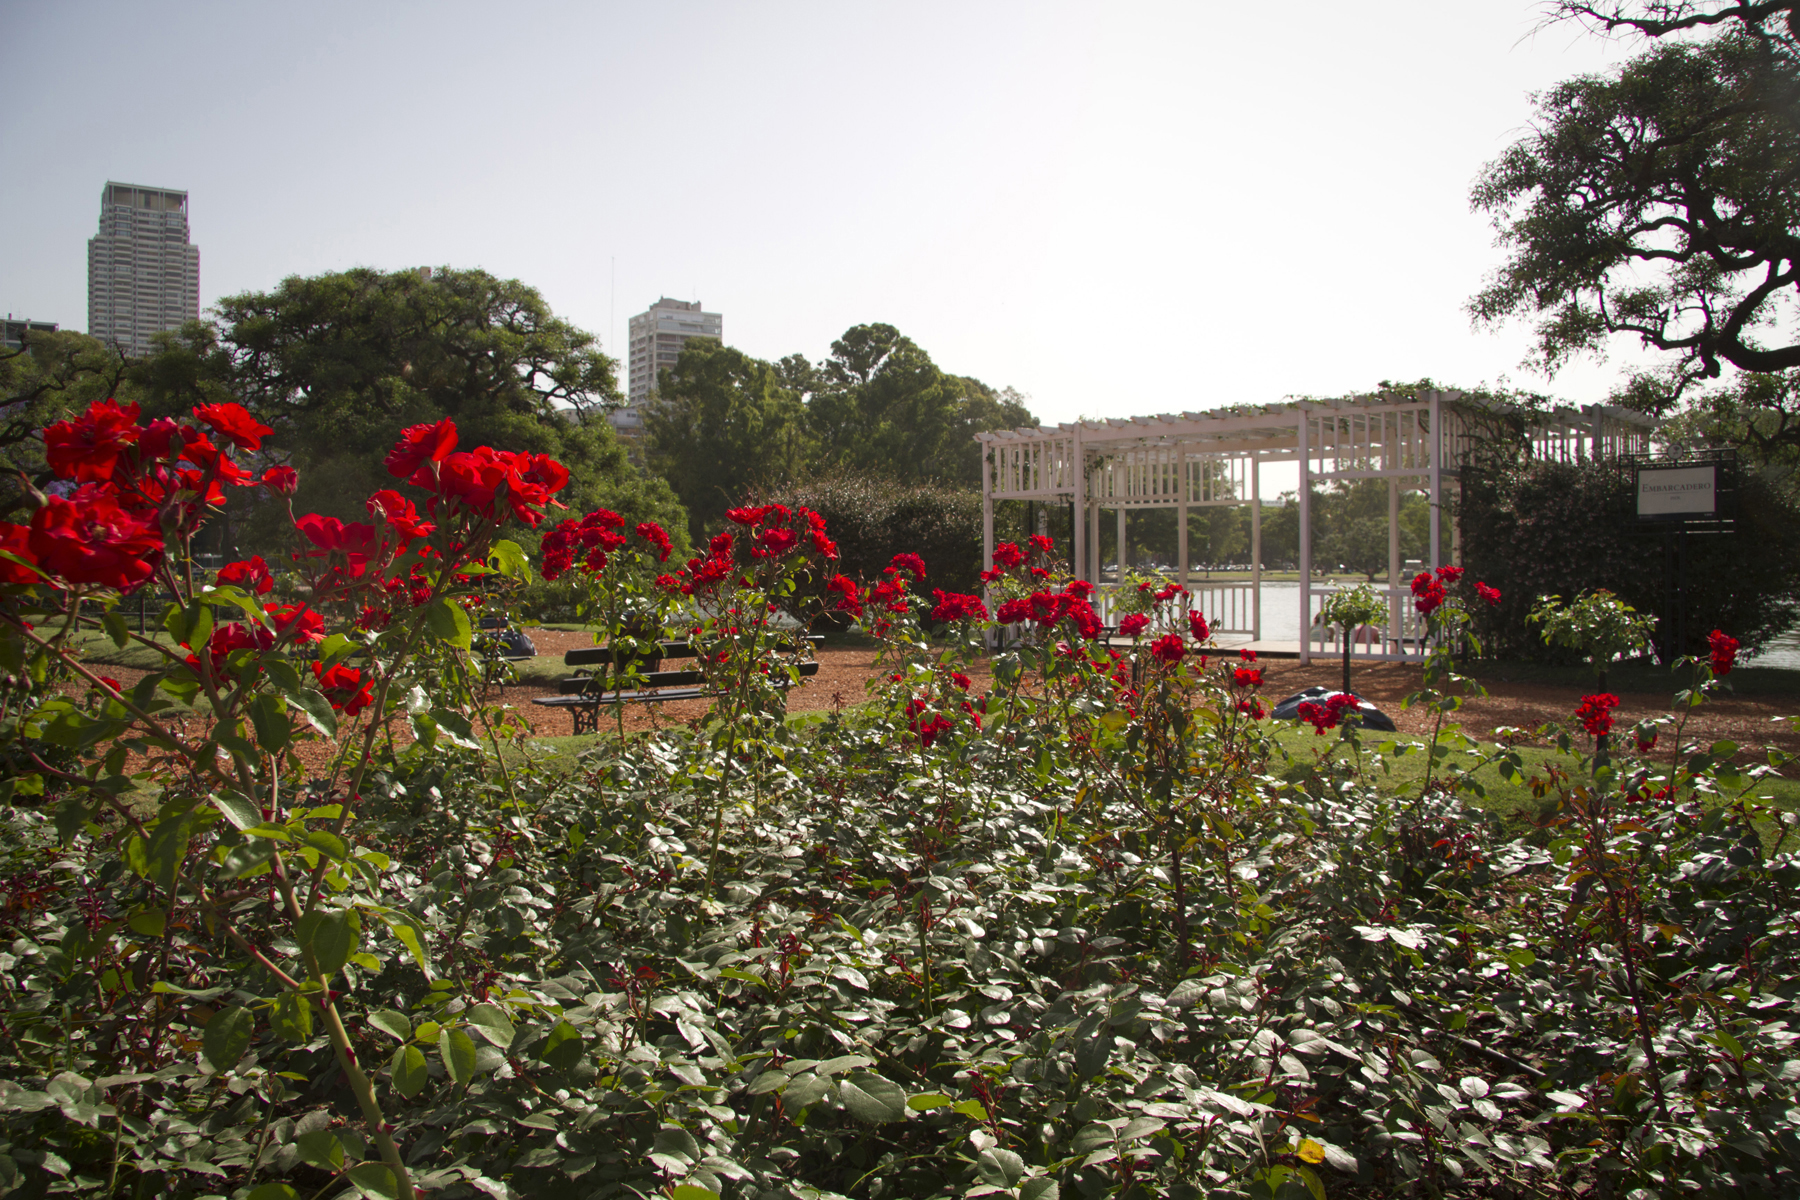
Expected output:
(1543, 528)
(875, 519)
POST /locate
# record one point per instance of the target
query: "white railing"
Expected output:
(1229, 607)
(1370, 642)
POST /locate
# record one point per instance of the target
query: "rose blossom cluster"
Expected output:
(1724, 649)
(928, 724)
(1331, 713)
(133, 482)
(1431, 589)
(1047, 609)
(483, 481)
(1008, 557)
(590, 541)
(1595, 714)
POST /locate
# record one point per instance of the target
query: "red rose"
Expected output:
(1428, 593)
(1041, 544)
(1168, 648)
(390, 506)
(87, 448)
(1724, 651)
(911, 563)
(346, 687)
(1133, 625)
(952, 606)
(1490, 594)
(1595, 713)
(747, 515)
(1247, 677)
(283, 481)
(90, 539)
(1197, 625)
(420, 444)
(657, 536)
(302, 623)
(252, 574)
(14, 540)
(1007, 555)
(233, 423)
(1449, 574)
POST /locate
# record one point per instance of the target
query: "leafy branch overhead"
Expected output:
(1660, 201)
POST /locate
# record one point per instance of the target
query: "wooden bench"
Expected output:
(584, 693)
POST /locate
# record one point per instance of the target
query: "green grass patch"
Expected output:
(1639, 678)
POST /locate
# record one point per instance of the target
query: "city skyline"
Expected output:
(1154, 209)
(143, 268)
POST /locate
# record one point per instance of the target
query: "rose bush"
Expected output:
(1070, 933)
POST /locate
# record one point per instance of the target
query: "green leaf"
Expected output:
(330, 844)
(394, 1024)
(692, 1191)
(492, 1024)
(198, 620)
(872, 1098)
(449, 622)
(150, 922)
(321, 1149)
(1001, 1168)
(457, 1050)
(227, 1036)
(292, 1017)
(317, 708)
(1312, 1182)
(333, 936)
(508, 559)
(240, 812)
(167, 849)
(1041, 1188)
(273, 1191)
(116, 628)
(410, 1072)
(410, 935)
(926, 1101)
(971, 1109)
(268, 713)
(455, 728)
(563, 1048)
(374, 1181)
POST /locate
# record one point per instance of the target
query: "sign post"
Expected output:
(1674, 497)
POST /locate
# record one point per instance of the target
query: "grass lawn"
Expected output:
(1641, 677)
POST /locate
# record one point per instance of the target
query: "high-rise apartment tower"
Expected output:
(657, 337)
(143, 273)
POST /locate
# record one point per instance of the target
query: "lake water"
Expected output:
(1281, 623)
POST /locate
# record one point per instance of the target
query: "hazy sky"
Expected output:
(1115, 208)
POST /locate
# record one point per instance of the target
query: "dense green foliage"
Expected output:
(1658, 201)
(1544, 528)
(50, 377)
(725, 424)
(338, 364)
(874, 518)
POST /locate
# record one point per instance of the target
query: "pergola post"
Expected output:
(1078, 509)
(1434, 446)
(1255, 548)
(1394, 558)
(1305, 543)
(1120, 543)
(1184, 484)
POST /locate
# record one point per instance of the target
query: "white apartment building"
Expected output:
(657, 337)
(143, 273)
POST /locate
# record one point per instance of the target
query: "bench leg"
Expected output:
(587, 718)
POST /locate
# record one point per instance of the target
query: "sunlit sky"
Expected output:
(1116, 209)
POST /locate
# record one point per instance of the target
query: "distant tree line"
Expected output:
(724, 424)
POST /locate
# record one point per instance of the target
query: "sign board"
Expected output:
(1674, 492)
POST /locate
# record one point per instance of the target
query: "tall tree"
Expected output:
(722, 424)
(49, 377)
(882, 406)
(338, 364)
(1662, 200)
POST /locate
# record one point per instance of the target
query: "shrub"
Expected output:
(1548, 528)
(874, 519)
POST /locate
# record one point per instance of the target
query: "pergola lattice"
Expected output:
(1200, 460)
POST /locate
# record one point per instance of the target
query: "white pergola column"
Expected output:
(1121, 541)
(1255, 549)
(1305, 543)
(1434, 446)
(1184, 484)
(1078, 510)
(1394, 608)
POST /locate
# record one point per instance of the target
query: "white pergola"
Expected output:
(1211, 459)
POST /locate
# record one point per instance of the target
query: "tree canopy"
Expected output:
(1661, 200)
(51, 376)
(339, 363)
(877, 406)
